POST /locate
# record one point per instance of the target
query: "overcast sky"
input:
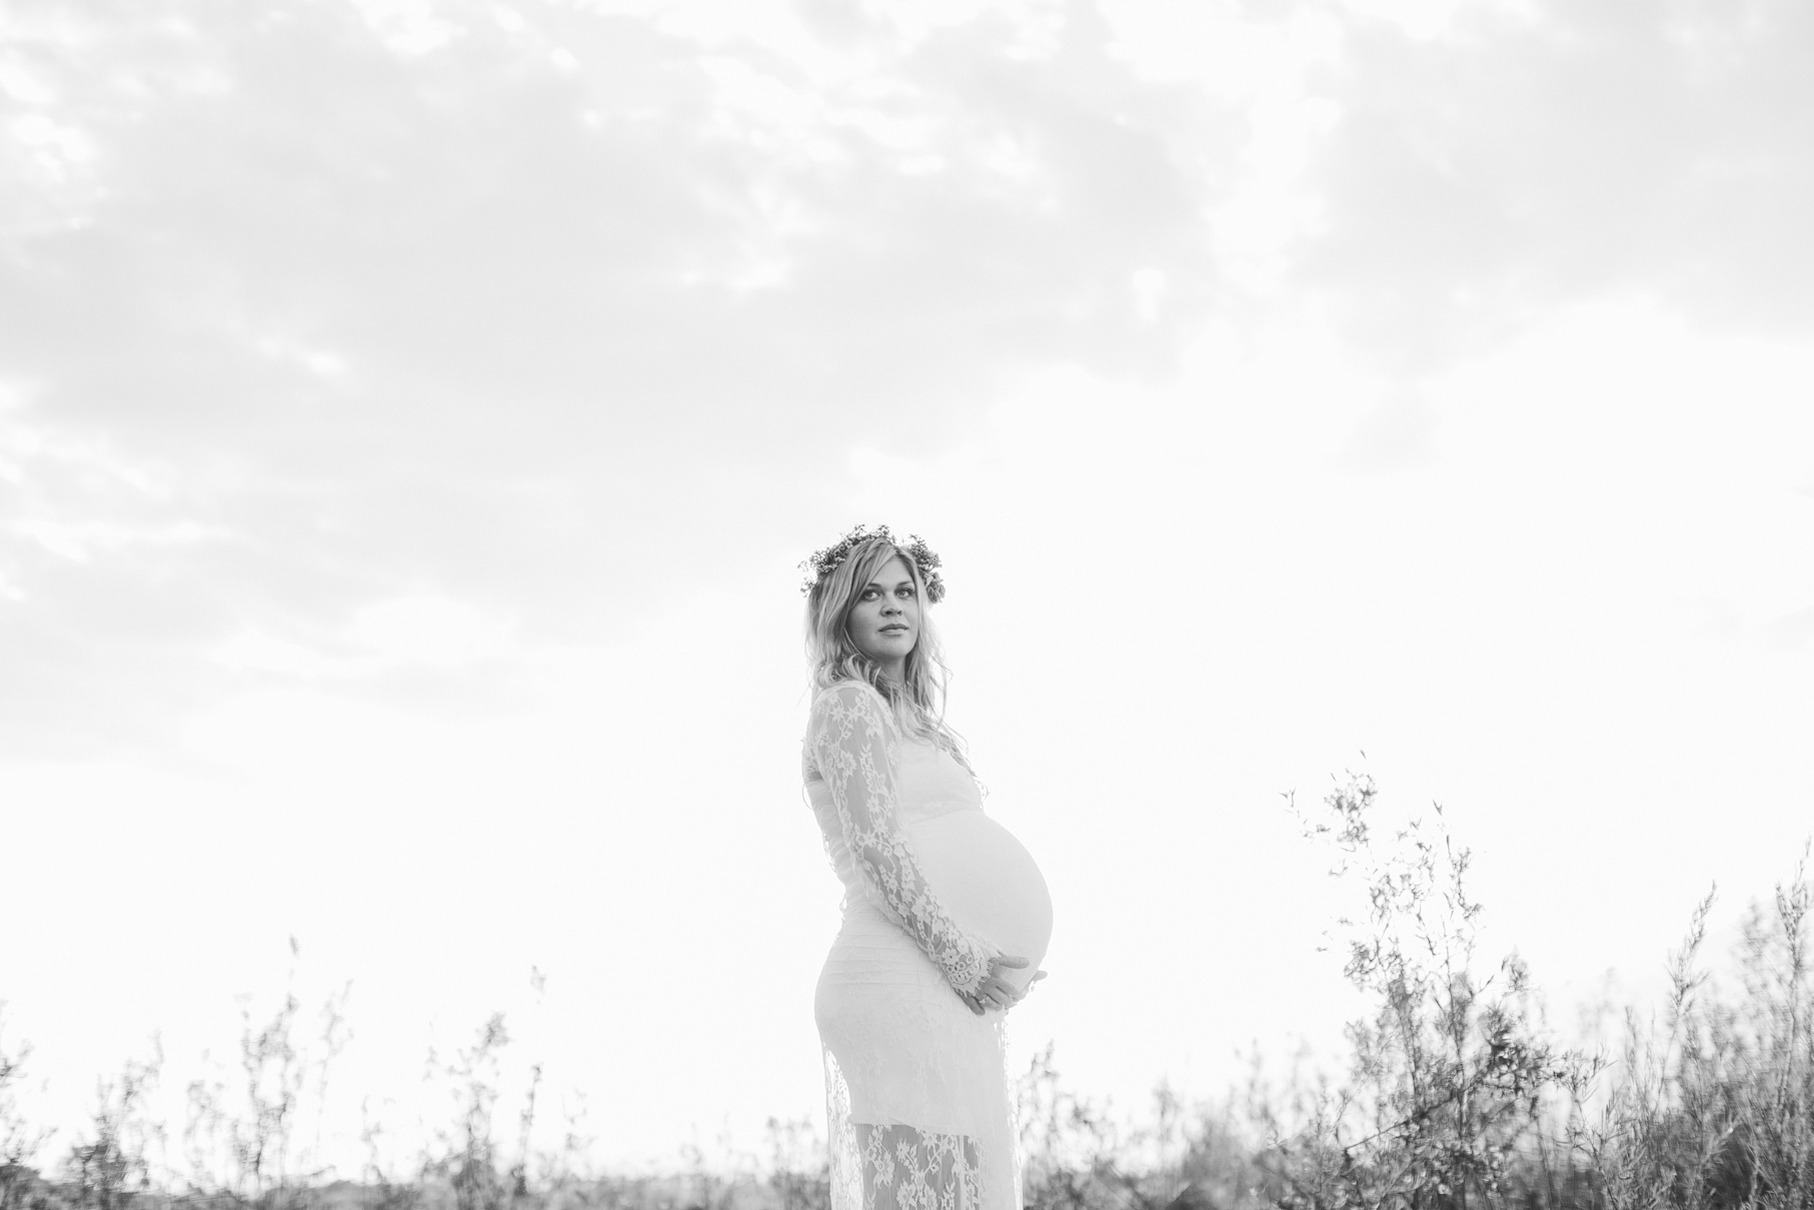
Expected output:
(412, 413)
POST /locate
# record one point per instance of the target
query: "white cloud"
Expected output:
(1224, 50)
(252, 651)
(1431, 20)
(1562, 153)
(409, 27)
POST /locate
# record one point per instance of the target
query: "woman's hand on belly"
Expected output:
(996, 992)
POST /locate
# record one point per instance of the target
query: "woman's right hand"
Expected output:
(996, 992)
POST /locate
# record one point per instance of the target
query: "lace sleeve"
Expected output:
(854, 749)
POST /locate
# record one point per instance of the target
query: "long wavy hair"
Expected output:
(917, 701)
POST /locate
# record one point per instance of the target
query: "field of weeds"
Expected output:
(1454, 1095)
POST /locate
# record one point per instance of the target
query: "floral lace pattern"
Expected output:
(899, 1167)
(852, 745)
(909, 1169)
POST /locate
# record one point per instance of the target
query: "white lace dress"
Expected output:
(916, 1083)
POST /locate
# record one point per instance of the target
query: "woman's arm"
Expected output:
(854, 748)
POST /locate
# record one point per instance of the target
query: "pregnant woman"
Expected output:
(945, 914)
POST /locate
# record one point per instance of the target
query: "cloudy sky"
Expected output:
(412, 413)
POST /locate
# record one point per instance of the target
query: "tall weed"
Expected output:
(19, 1142)
(1451, 1073)
(111, 1169)
(1713, 1105)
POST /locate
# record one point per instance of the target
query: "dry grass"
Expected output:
(1455, 1095)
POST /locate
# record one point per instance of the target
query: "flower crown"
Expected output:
(824, 562)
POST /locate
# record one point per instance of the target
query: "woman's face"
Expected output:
(885, 621)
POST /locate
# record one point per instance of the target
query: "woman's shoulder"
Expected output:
(851, 696)
(848, 692)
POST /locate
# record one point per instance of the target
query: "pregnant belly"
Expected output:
(989, 882)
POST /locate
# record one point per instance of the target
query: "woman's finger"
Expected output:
(1011, 960)
(1016, 994)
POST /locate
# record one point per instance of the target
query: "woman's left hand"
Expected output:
(997, 992)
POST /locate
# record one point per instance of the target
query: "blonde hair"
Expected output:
(917, 701)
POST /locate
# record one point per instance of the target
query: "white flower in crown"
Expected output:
(824, 562)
